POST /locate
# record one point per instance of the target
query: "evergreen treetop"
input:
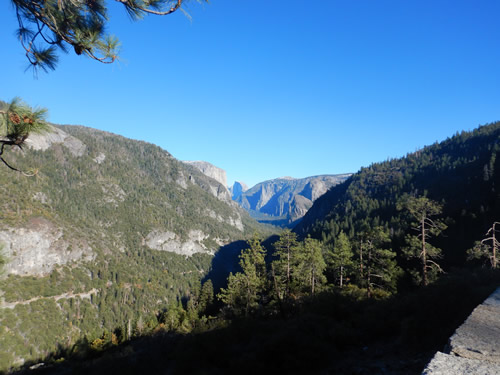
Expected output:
(48, 25)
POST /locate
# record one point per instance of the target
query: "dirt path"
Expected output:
(11, 305)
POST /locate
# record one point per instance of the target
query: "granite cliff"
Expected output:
(286, 200)
(237, 189)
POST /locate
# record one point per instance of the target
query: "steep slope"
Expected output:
(211, 171)
(109, 232)
(462, 173)
(237, 189)
(285, 200)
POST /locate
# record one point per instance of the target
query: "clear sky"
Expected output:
(280, 88)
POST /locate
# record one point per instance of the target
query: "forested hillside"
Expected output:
(106, 236)
(462, 174)
(375, 279)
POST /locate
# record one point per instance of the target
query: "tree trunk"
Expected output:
(361, 260)
(288, 274)
(276, 289)
(494, 256)
(369, 286)
(341, 275)
(424, 254)
(312, 282)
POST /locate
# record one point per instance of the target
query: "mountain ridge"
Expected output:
(286, 199)
(461, 173)
(108, 214)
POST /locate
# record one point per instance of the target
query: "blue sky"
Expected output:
(280, 88)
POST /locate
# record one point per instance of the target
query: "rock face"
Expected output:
(210, 170)
(474, 348)
(286, 198)
(54, 136)
(237, 189)
(169, 241)
(36, 249)
(445, 364)
(217, 188)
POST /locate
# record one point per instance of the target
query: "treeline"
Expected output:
(369, 263)
(285, 326)
(461, 174)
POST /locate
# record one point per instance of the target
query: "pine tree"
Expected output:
(17, 122)
(244, 290)
(487, 248)
(377, 265)
(80, 25)
(287, 251)
(206, 299)
(310, 272)
(422, 209)
(340, 258)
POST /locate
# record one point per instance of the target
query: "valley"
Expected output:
(231, 187)
(117, 247)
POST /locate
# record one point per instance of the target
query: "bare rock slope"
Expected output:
(474, 348)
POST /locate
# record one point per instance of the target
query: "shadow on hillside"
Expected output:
(335, 332)
(227, 259)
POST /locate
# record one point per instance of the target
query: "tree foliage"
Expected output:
(487, 248)
(17, 121)
(340, 258)
(244, 290)
(48, 25)
(310, 271)
(378, 269)
(423, 210)
(287, 253)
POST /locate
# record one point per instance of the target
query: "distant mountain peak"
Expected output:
(285, 200)
(237, 189)
(210, 170)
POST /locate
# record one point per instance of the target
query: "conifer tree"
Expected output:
(377, 265)
(423, 210)
(287, 251)
(206, 299)
(17, 122)
(244, 290)
(45, 26)
(487, 248)
(340, 258)
(310, 272)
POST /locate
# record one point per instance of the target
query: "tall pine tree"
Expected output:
(376, 261)
(245, 289)
(287, 253)
(310, 273)
(423, 210)
(340, 258)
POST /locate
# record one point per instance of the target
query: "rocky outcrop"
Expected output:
(34, 250)
(233, 221)
(474, 347)
(286, 198)
(169, 241)
(56, 136)
(237, 189)
(210, 170)
(215, 184)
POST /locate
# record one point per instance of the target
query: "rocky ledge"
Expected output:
(474, 348)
